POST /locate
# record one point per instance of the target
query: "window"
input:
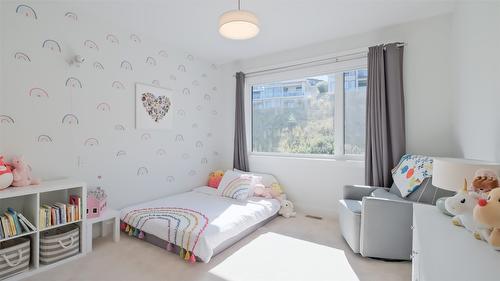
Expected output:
(313, 115)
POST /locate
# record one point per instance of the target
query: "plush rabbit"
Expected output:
(287, 209)
(461, 206)
(488, 212)
(21, 172)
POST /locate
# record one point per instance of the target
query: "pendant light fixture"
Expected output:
(238, 24)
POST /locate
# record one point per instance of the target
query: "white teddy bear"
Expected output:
(287, 209)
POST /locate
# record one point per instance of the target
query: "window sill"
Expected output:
(354, 160)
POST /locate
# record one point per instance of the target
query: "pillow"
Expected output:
(411, 172)
(426, 193)
(267, 179)
(206, 190)
(214, 178)
(237, 185)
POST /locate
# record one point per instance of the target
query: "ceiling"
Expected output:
(191, 25)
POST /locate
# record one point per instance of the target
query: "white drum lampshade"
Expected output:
(449, 173)
(238, 25)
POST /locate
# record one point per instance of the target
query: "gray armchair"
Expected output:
(376, 221)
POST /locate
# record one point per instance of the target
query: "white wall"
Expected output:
(66, 149)
(315, 185)
(476, 44)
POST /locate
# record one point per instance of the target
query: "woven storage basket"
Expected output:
(14, 256)
(59, 243)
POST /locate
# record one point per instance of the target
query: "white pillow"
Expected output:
(206, 190)
(237, 185)
(267, 179)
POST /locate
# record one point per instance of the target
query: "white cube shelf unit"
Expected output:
(27, 200)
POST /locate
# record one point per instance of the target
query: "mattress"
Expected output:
(199, 222)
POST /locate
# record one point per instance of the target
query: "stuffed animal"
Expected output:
(287, 209)
(487, 212)
(461, 206)
(485, 180)
(214, 178)
(274, 191)
(22, 173)
(6, 176)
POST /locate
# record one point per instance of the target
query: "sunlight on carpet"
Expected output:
(289, 259)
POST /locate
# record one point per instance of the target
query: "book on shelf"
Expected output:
(13, 223)
(60, 213)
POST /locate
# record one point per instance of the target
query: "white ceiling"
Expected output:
(191, 25)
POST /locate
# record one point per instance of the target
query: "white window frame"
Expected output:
(326, 69)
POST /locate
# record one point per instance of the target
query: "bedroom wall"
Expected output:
(315, 185)
(84, 127)
(476, 70)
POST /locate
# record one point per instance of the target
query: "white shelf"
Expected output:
(27, 200)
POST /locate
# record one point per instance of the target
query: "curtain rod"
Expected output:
(317, 62)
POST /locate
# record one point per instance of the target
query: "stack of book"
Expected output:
(13, 223)
(60, 213)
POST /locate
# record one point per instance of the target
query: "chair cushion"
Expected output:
(426, 193)
(384, 194)
(352, 205)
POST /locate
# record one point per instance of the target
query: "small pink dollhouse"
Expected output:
(96, 202)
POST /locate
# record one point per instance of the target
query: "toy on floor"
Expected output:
(6, 176)
(214, 178)
(22, 173)
(287, 209)
(461, 206)
(274, 191)
(487, 212)
(485, 180)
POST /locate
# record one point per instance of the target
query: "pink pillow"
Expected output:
(214, 182)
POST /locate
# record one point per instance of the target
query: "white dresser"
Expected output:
(443, 251)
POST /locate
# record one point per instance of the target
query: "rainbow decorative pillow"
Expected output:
(237, 185)
(411, 172)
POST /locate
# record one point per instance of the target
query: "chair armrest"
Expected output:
(357, 192)
(386, 228)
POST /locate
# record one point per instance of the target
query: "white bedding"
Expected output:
(226, 218)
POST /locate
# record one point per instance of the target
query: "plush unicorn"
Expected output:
(461, 206)
(488, 212)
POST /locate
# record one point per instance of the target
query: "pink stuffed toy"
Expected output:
(269, 192)
(22, 173)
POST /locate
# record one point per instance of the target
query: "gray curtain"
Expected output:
(240, 157)
(385, 116)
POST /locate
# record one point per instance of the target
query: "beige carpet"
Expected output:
(284, 249)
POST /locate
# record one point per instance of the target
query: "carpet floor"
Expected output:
(300, 248)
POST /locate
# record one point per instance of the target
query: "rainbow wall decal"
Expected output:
(207, 97)
(98, 66)
(51, 45)
(26, 11)
(163, 53)
(199, 144)
(91, 45)
(142, 171)
(22, 56)
(179, 138)
(151, 61)
(70, 119)
(5, 119)
(196, 83)
(135, 38)
(186, 91)
(170, 179)
(119, 127)
(118, 85)
(121, 153)
(38, 92)
(214, 88)
(112, 39)
(91, 142)
(104, 107)
(181, 68)
(126, 65)
(185, 226)
(146, 136)
(44, 138)
(199, 107)
(71, 15)
(190, 57)
(73, 83)
(161, 152)
(204, 161)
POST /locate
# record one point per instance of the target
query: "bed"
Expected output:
(198, 224)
